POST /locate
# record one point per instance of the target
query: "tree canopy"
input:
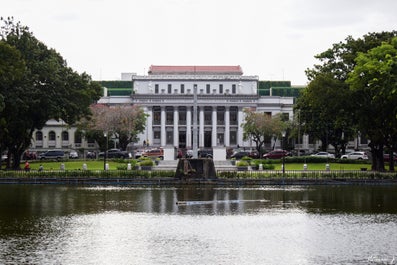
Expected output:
(261, 128)
(374, 83)
(38, 86)
(338, 99)
(124, 121)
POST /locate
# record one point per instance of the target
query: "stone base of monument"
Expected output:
(195, 168)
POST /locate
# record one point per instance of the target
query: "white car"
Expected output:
(73, 154)
(355, 155)
(324, 154)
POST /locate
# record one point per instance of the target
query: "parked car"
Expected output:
(324, 154)
(154, 153)
(201, 153)
(115, 153)
(355, 155)
(276, 154)
(205, 153)
(73, 154)
(240, 154)
(29, 155)
(138, 153)
(91, 155)
(53, 154)
(386, 157)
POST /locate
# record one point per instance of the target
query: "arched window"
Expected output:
(51, 136)
(65, 136)
(39, 136)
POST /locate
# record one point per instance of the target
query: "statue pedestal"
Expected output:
(195, 168)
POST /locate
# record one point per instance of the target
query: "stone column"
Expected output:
(201, 125)
(176, 131)
(240, 118)
(163, 133)
(149, 127)
(227, 126)
(189, 127)
(214, 126)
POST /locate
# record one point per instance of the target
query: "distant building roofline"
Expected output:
(192, 69)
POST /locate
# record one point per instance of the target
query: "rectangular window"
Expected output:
(169, 118)
(208, 88)
(156, 134)
(169, 137)
(220, 89)
(233, 138)
(233, 89)
(182, 89)
(169, 89)
(156, 88)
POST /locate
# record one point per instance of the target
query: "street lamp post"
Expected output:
(105, 133)
(282, 146)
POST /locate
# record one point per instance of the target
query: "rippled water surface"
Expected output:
(42, 224)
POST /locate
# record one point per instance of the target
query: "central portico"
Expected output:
(166, 95)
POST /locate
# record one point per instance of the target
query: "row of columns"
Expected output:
(189, 126)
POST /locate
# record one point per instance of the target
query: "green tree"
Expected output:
(45, 89)
(326, 112)
(332, 72)
(125, 122)
(374, 83)
(261, 128)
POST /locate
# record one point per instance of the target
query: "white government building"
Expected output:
(166, 94)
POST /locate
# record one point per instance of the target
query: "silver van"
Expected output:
(53, 154)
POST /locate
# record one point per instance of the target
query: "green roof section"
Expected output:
(278, 88)
(118, 88)
(117, 84)
(265, 88)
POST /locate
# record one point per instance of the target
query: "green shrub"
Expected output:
(246, 158)
(146, 163)
(242, 163)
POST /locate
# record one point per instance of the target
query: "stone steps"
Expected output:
(172, 164)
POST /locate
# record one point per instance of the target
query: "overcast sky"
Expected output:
(274, 39)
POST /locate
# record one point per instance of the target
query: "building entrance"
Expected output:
(182, 139)
(207, 139)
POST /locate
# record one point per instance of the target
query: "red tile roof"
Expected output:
(167, 69)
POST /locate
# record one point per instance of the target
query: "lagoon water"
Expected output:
(50, 224)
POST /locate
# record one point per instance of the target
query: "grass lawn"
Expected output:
(321, 166)
(74, 165)
(98, 165)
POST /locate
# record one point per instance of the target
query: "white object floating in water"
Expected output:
(213, 202)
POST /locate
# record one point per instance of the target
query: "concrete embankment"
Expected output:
(178, 182)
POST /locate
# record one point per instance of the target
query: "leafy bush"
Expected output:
(146, 163)
(242, 163)
(246, 158)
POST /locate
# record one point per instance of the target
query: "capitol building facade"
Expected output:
(170, 94)
(222, 93)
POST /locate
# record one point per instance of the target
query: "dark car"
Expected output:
(53, 154)
(201, 153)
(29, 155)
(205, 153)
(276, 154)
(91, 155)
(386, 157)
(115, 153)
(240, 154)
